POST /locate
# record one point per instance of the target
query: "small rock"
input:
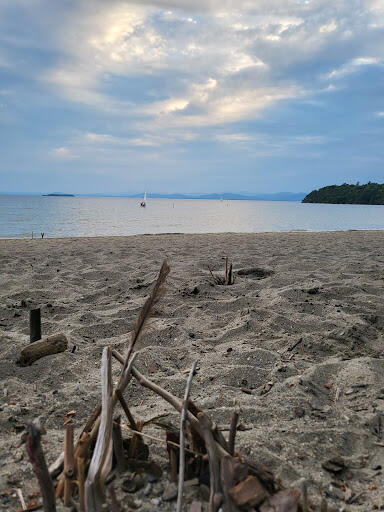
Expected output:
(156, 501)
(170, 492)
(133, 484)
(147, 489)
(334, 465)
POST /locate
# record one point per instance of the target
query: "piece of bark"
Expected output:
(45, 347)
(248, 492)
(36, 456)
(283, 501)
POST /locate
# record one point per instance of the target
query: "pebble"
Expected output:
(147, 489)
(170, 492)
(156, 501)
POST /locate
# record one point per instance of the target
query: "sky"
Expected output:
(190, 96)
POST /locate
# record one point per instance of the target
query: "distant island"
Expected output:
(371, 193)
(57, 194)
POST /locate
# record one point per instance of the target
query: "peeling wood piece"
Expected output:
(102, 456)
(283, 501)
(47, 346)
(248, 492)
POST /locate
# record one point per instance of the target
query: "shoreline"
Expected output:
(296, 231)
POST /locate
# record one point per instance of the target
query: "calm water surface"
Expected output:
(91, 216)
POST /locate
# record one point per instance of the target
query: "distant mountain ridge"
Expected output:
(228, 196)
(371, 193)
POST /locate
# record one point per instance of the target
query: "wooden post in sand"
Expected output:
(34, 325)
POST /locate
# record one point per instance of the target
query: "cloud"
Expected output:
(354, 65)
(63, 153)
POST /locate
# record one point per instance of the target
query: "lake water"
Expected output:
(104, 216)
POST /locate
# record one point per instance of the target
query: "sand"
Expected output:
(304, 333)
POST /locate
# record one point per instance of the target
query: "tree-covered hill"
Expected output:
(371, 193)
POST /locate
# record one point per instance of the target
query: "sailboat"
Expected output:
(142, 204)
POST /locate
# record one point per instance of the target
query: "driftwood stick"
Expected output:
(126, 409)
(101, 459)
(323, 505)
(36, 456)
(118, 448)
(45, 347)
(84, 445)
(216, 496)
(21, 498)
(69, 464)
(218, 436)
(232, 431)
(175, 402)
(161, 441)
(304, 490)
(144, 315)
(230, 275)
(57, 466)
(34, 325)
(183, 424)
(121, 386)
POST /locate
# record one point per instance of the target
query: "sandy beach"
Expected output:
(301, 329)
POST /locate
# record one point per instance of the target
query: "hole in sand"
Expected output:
(255, 272)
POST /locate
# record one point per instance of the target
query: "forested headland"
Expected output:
(371, 193)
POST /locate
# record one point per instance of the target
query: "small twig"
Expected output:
(21, 498)
(232, 431)
(183, 422)
(36, 456)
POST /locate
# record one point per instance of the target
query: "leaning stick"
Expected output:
(102, 455)
(175, 402)
(183, 422)
(232, 431)
(125, 407)
(36, 456)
